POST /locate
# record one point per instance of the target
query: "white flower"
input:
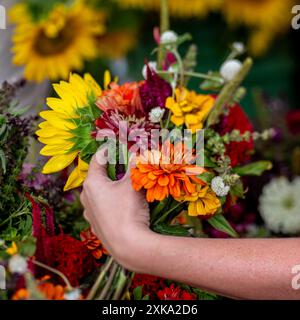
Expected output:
(156, 114)
(218, 186)
(238, 47)
(230, 68)
(17, 264)
(73, 295)
(152, 66)
(168, 38)
(279, 205)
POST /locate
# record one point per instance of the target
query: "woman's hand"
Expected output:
(119, 216)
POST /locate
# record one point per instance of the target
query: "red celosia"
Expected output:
(293, 121)
(154, 91)
(239, 152)
(150, 284)
(70, 256)
(175, 293)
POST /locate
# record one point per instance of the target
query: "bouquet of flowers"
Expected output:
(191, 148)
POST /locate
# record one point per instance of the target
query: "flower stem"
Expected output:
(164, 26)
(196, 75)
(227, 92)
(60, 274)
(110, 280)
(165, 215)
(99, 280)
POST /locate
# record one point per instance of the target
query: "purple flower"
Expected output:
(154, 91)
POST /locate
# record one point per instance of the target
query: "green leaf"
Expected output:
(206, 177)
(111, 171)
(220, 223)
(138, 293)
(253, 169)
(158, 208)
(3, 161)
(27, 247)
(238, 190)
(171, 230)
(208, 163)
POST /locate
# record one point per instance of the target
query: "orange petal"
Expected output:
(163, 181)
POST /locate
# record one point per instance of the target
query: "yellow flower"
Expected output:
(57, 44)
(12, 250)
(179, 8)
(116, 44)
(189, 108)
(266, 18)
(64, 132)
(202, 202)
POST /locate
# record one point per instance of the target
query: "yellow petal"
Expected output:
(107, 79)
(93, 85)
(59, 162)
(178, 121)
(58, 120)
(53, 150)
(75, 179)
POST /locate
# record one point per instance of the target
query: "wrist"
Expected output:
(138, 249)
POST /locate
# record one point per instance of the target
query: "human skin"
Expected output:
(236, 268)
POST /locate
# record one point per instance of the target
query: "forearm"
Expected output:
(238, 268)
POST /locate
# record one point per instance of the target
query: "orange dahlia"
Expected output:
(162, 179)
(124, 98)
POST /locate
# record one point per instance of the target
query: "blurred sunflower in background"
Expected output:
(179, 8)
(51, 43)
(265, 18)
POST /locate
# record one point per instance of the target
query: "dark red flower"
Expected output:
(238, 152)
(154, 91)
(150, 284)
(293, 121)
(175, 293)
(70, 256)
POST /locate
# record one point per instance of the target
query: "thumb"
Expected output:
(98, 164)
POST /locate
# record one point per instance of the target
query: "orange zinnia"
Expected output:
(93, 243)
(124, 98)
(160, 179)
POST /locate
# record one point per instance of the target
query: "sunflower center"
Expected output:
(289, 202)
(47, 46)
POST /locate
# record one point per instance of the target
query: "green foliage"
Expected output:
(253, 169)
(175, 230)
(220, 223)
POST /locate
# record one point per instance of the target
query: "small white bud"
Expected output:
(230, 68)
(152, 65)
(17, 264)
(168, 38)
(218, 187)
(156, 114)
(238, 47)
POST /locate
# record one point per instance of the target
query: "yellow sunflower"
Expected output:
(179, 8)
(68, 126)
(116, 44)
(266, 18)
(54, 45)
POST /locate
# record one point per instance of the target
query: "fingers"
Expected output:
(98, 164)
